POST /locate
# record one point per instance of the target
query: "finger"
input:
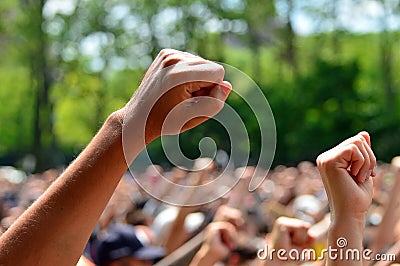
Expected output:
(236, 219)
(366, 136)
(360, 168)
(229, 214)
(194, 111)
(219, 92)
(364, 172)
(348, 141)
(175, 58)
(297, 229)
(372, 158)
(227, 234)
(354, 158)
(161, 57)
(226, 86)
(169, 57)
(183, 73)
(363, 134)
(299, 235)
(200, 88)
(164, 53)
(207, 106)
(191, 55)
(203, 88)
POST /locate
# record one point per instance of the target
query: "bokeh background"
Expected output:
(328, 69)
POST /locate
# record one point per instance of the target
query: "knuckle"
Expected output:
(353, 148)
(358, 141)
(170, 60)
(164, 53)
(321, 161)
(327, 160)
(281, 220)
(220, 70)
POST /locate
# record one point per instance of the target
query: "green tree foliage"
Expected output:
(65, 65)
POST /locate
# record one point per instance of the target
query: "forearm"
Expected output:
(345, 233)
(203, 258)
(177, 234)
(384, 234)
(56, 227)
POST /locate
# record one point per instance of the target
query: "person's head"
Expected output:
(125, 245)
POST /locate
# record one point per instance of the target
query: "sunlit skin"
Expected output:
(55, 229)
(346, 171)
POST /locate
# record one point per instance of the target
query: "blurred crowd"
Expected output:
(231, 229)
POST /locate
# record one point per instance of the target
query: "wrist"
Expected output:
(116, 119)
(348, 227)
(131, 126)
(346, 233)
(341, 219)
(142, 125)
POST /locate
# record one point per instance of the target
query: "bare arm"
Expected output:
(346, 171)
(68, 211)
(384, 234)
(219, 240)
(177, 234)
(56, 228)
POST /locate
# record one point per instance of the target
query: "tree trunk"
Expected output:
(44, 143)
(386, 52)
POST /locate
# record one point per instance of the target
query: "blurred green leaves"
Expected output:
(88, 57)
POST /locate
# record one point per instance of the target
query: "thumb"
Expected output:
(195, 110)
(211, 105)
(221, 91)
(206, 106)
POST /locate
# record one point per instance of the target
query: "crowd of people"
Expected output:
(87, 214)
(138, 222)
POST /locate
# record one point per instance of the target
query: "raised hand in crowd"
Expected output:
(218, 242)
(384, 236)
(346, 171)
(287, 234)
(234, 216)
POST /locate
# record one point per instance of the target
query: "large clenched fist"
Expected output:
(346, 170)
(178, 92)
